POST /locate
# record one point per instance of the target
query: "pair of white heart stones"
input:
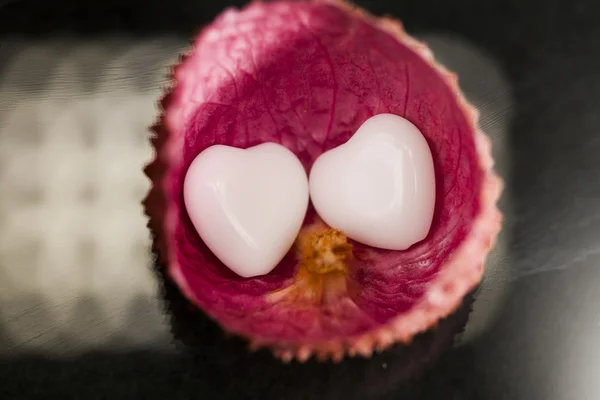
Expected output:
(248, 205)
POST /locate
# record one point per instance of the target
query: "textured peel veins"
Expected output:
(307, 75)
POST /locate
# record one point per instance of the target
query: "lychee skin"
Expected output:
(306, 75)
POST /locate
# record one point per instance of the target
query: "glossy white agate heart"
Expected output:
(247, 205)
(379, 187)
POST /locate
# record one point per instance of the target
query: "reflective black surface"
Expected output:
(544, 341)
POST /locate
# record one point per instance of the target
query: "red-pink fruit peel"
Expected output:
(307, 75)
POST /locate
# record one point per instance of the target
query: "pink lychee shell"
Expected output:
(460, 273)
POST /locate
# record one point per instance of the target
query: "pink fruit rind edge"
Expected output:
(460, 274)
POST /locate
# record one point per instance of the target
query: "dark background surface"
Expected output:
(545, 343)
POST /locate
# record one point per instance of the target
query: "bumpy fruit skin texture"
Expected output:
(307, 75)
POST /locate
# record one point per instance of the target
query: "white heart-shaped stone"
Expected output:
(247, 205)
(379, 187)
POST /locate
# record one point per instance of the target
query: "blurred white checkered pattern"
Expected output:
(73, 141)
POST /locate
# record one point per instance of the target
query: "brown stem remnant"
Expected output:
(323, 257)
(324, 251)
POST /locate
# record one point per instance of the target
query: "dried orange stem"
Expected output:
(324, 252)
(323, 257)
